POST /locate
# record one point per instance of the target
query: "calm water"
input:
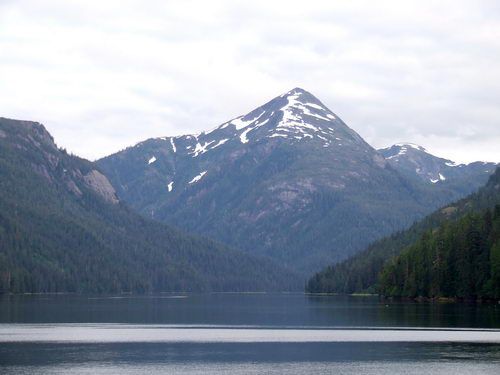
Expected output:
(245, 334)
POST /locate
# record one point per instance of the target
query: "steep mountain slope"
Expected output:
(459, 259)
(414, 162)
(63, 229)
(289, 180)
(360, 272)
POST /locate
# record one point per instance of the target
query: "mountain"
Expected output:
(62, 229)
(289, 180)
(361, 272)
(414, 162)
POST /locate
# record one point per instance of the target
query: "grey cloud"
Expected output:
(117, 72)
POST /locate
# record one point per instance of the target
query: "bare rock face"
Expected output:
(70, 184)
(380, 161)
(101, 185)
(52, 163)
(35, 133)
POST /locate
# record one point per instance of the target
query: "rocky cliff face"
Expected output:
(52, 163)
(101, 185)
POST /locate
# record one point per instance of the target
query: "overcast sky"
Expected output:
(103, 75)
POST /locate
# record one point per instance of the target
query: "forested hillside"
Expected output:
(63, 230)
(360, 273)
(458, 260)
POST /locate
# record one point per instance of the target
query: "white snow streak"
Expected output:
(295, 110)
(220, 143)
(243, 136)
(313, 105)
(198, 177)
(239, 123)
(199, 149)
(412, 145)
(152, 160)
(274, 135)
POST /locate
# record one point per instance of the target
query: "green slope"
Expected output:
(360, 272)
(460, 259)
(62, 230)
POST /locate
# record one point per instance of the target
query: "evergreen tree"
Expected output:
(460, 259)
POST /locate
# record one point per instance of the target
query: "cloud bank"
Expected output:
(103, 75)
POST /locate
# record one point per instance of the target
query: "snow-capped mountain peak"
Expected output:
(399, 149)
(300, 109)
(290, 163)
(295, 115)
(415, 160)
(295, 118)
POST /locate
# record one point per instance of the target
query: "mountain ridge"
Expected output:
(289, 180)
(414, 161)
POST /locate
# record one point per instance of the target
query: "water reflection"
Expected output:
(268, 312)
(351, 310)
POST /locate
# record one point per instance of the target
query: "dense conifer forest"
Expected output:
(459, 260)
(62, 230)
(361, 272)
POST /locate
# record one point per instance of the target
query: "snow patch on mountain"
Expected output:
(403, 148)
(174, 149)
(410, 145)
(207, 146)
(198, 177)
(201, 149)
(299, 116)
(152, 160)
(243, 136)
(220, 143)
(440, 178)
(239, 122)
(170, 186)
(292, 114)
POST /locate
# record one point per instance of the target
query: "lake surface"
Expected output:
(245, 334)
